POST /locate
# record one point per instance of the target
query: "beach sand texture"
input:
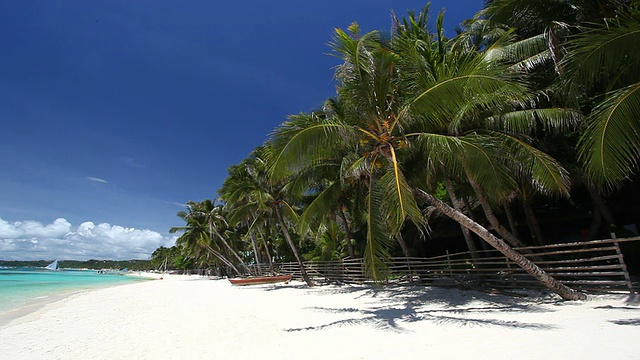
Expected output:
(189, 317)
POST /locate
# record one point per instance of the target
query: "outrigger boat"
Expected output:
(256, 280)
(53, 266)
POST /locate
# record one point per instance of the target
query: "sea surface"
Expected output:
(20, 287)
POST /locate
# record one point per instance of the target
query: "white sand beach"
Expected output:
(190, 317)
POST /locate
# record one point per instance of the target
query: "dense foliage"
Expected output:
(529, 116)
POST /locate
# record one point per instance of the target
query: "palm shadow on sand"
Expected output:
(628, 322)
(397, 305)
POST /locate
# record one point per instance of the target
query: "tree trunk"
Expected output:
(598, 202)
(254, 245)
(403, 245)
(465, 232)
(230, 249)
(531, 268)
(221, 257)
(267, 251)
(532, 221)
(493, 220)
(287, 236)
(596, 221)
(469, 213)
(348, 235)
(512, 221)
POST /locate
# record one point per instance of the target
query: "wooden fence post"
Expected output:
(622, 263)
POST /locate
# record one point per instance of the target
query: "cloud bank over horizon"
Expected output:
(32, 240)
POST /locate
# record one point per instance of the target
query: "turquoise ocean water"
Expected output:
(22, 286)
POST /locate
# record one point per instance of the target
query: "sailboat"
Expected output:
(53, 266)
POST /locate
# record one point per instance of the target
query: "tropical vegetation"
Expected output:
(532, 105)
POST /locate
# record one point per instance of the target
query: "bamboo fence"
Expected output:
(594, 266)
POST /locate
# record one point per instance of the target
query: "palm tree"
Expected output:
(594, 40)
(242, 212)
(197, 235)
(268, 197)
(603, 61)
(333, 196)
(216, 224)
(370, 86)
(372, 100)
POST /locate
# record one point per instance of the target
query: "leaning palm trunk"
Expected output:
(469, 213)
(230, 249)
(266, 250)
(493, 220)
(347, 233)
(254, 246)
(513, 226)
(403, 245)
(598, 202)
(287, 236)
(221, 257)
(532, 222)
(465, 232)
(526, 264)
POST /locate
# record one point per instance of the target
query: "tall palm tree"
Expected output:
(538, 45)
(486, 105)
(197, 235)
(371, 95)
(603, 62)
(216, 224)
(333, 196)
(269, 196)
(594, 40)
(375, 95)
(236, 193)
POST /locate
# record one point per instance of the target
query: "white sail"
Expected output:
(52, 266)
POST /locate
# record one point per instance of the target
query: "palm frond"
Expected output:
(399, 202)
(484, 160)
(290, 213)
(378, 241)
(323, 205)
(513, 51)
(527, 121)
(308, 146)
(446, 99)
(602, 51)
(439, 152)
(355, 168)
(610, 146)
(545, 173)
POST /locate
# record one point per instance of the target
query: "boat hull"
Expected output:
(260, 280)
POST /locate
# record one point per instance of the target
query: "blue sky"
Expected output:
(114, 113)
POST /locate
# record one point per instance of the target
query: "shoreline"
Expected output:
(9, 315)
(196, 317)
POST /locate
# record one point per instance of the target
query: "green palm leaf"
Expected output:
(399, 202)
(484, 159)
(602, 52)
(447, 99)
(309, 146)
(545, 174)
(610, 146)
(322, 206)
(554, 121)
(378, 241)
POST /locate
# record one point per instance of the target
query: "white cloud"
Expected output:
(95, 179)
(31, 240)
(28, 229)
